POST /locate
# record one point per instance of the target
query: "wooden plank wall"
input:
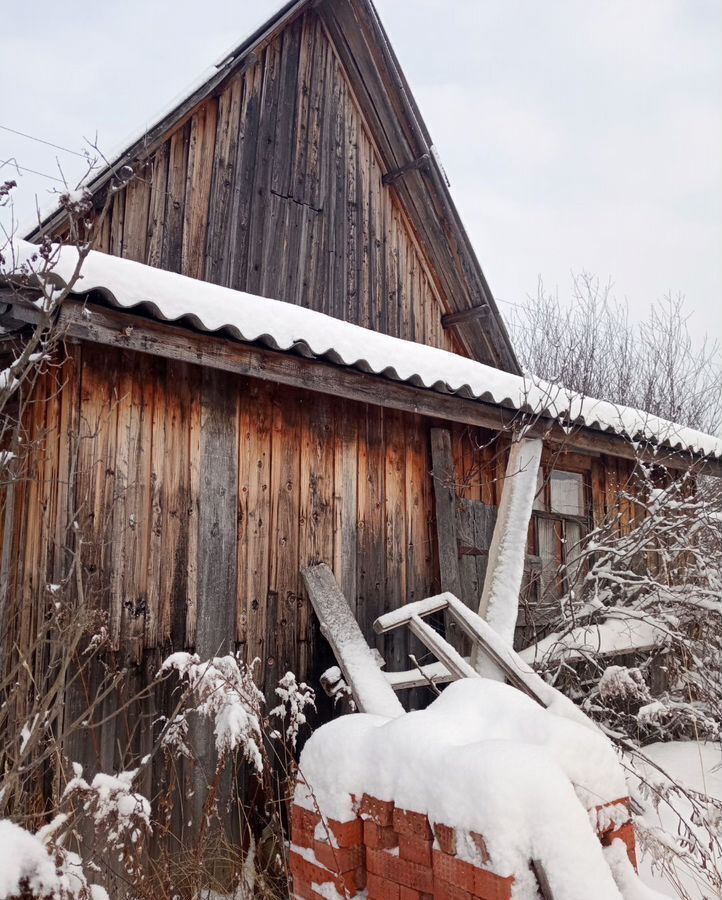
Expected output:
(274, 186)
(287, 478)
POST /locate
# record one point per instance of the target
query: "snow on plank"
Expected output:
(357, 661)
(499, 603)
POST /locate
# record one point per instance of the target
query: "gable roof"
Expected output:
(411, 164)
(170, 297)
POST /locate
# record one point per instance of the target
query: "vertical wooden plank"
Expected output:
(157, 205)
(224, 161)
(117, 221)
(445, 507)
(216, 613)
(201, 148)
(287, 102)
(395, 586)
(345, 547)
(316, 520)
(119, 502)
(262, 224)
(172, 248)
(281, 627)
(257, 540)
(371, 543)
(239, 242)
(193, 444)
(159, 613)
(137, 202)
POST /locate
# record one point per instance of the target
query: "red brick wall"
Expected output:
(396, 854)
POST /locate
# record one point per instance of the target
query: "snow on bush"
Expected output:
(294, 698)
(118, 812)
(649, 595)
(222, 689)
(33, 865)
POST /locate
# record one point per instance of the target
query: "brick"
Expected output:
(415, 849)
(480, 845)
(626, 834)
(454, 871)
(443, 890)
(303, 826)
(406, 893)
(338, 859)
(379, 837)
(489, 886)
(301, 888)
(345, 882)
(347, 834)
(380, 889)
(393, 868)
(446, 838)
(379, 811)
(407, 822)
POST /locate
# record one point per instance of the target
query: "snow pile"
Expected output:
(27, 861)
(482, 757)
(285, 326)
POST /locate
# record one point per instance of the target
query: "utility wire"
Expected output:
(32, 137)
(14, 163)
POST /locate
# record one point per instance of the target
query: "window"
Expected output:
(559, 523)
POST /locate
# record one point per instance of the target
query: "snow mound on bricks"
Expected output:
(482, 757)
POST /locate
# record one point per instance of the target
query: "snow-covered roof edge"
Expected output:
(170, 297)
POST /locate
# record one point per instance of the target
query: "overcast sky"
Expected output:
(577, 135)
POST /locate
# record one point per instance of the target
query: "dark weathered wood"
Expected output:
(419, 162)
(465, 315)
(445, 505)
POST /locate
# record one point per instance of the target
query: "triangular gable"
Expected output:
(301, 170)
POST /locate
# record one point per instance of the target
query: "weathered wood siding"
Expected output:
(274, 186)
(198, 499)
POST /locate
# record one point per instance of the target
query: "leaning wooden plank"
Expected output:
(499, 603)
(370, 689)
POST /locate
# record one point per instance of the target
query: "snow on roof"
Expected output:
(283, 326)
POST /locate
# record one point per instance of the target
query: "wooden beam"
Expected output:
(371, 691)
(417, 163)
(132, 332)
(482, 311)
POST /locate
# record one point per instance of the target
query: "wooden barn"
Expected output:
(283, 351)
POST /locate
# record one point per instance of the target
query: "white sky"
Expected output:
(577, 135)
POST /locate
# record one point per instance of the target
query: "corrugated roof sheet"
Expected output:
(170, 297)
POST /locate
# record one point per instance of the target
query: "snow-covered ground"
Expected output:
(697, 766)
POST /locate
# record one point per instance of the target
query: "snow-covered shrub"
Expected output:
(120, 815)
(294, 698)
(222, 689)
(638, 638)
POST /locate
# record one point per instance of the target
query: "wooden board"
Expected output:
(370, 689)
